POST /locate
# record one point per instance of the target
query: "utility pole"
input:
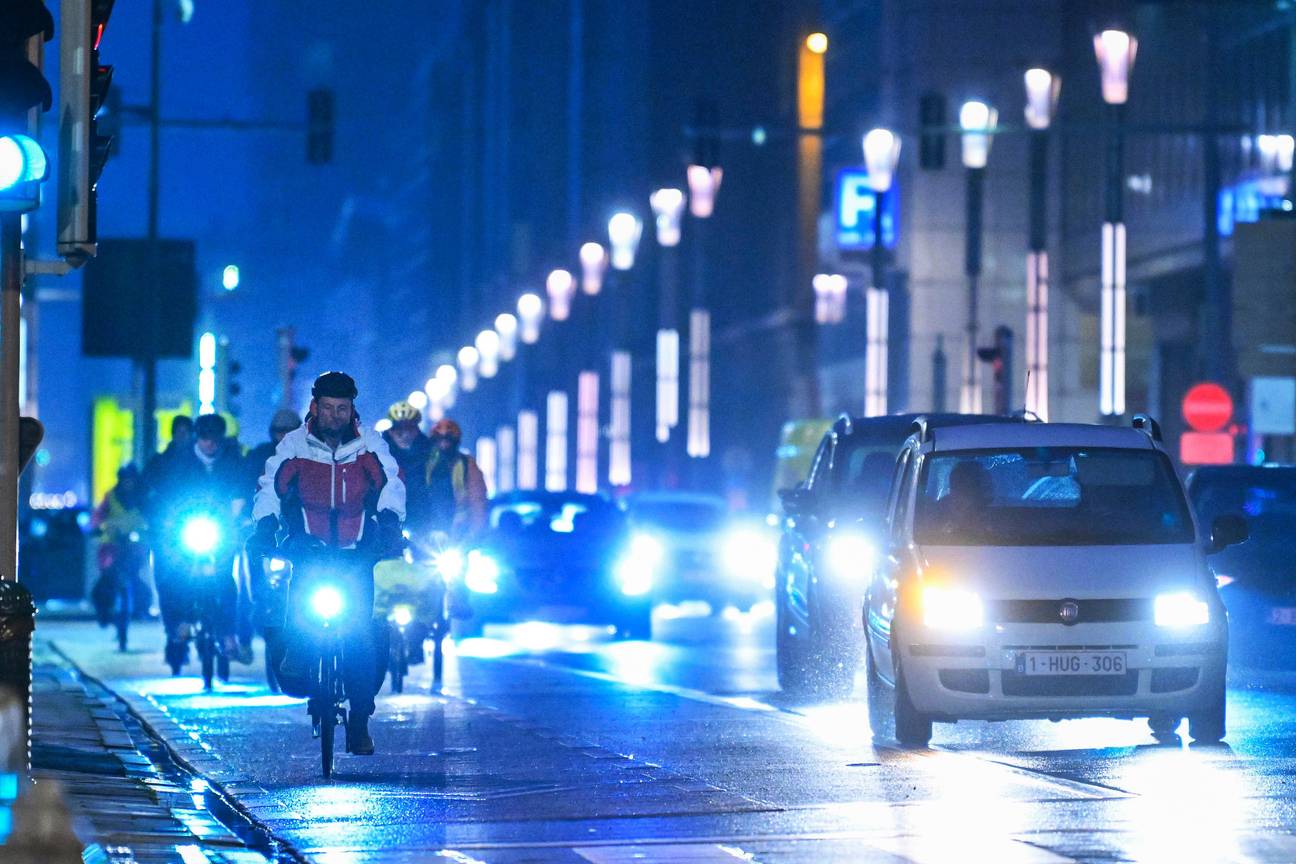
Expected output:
(148, 360)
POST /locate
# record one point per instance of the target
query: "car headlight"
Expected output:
(851, 557)
(327, 602)
(750, 555)
(450, 564)
(402, 615)
(647, 548)
(200, 534)
(951, 609)
(1181, 609)
(634, 575)
(481, 573)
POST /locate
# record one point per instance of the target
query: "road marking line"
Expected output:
(941, 850)
(1072, 788)
(679, 853)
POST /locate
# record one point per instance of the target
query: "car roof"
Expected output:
(897, 427)
(670, 497)
(995, 435)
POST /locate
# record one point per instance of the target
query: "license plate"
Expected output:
(1282, 616)
(1071, 663)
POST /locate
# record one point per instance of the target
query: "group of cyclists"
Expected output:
(322, 485)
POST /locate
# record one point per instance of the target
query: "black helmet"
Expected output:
(209, 426)
(334, 385)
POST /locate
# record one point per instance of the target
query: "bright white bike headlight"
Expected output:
(951, 609)
(450, 564)
(200, 534)
(481, 573)
(402, 615)
(1181, 610)
(327, 602)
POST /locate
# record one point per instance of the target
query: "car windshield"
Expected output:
(554, 514)
(1266, 497)
(1050, 496)
(688, 516)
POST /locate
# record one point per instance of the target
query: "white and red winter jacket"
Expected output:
(335, 490)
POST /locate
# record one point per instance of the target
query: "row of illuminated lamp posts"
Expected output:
(978, 122)
(1115, 51)
(499, 344)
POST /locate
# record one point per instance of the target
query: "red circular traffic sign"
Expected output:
(1207, 407)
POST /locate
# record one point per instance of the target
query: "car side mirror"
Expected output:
(798, 501)
(1228, 530)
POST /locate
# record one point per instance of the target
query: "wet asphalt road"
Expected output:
(555, 744)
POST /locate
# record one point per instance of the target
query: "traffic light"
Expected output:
(24, 27)
(319, 126)
(931, 142)
(84, 142)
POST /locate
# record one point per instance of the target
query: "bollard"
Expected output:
(17, 621)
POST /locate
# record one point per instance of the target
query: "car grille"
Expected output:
(1070, 685)
(1049, 611)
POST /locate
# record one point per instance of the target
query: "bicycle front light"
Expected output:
(327, 602)
(402, 615)
(450, 564)
(200, 534)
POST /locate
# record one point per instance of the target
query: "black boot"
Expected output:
(358, 741)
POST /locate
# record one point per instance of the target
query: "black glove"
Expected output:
(262, 541)
(390, 538)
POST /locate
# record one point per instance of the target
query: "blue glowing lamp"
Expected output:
(23, 167)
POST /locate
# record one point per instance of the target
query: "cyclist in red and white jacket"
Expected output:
(333, 485)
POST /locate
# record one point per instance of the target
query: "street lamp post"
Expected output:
(668, 208)
(1115, 50)
(704, 177)
(881, 155)
(624, 232)
(1041, 101)
(977, 121)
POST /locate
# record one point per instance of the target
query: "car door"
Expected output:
(880, 603)
(804, 530)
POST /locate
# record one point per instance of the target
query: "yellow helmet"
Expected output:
(403, 412)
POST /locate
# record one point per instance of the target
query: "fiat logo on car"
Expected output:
(1069, 612)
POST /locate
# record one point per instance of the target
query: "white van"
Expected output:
(1044, 570)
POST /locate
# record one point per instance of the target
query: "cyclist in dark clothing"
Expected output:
(411, 449)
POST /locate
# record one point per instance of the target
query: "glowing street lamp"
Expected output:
(1115, 51)
(1042, 88)
(468, 359)
(561, 288)
(668, 207)
(594, 262)
(881, 156)
(624, 231)
(977, 121)
(488, 353)
(230, 277)
(704, 185)
(506, 325)
(830, 297)
(417, 399)
(530, 309)
(440, 396)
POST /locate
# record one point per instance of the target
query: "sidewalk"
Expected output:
(129, 802)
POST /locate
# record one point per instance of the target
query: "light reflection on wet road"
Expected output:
(558, 744)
